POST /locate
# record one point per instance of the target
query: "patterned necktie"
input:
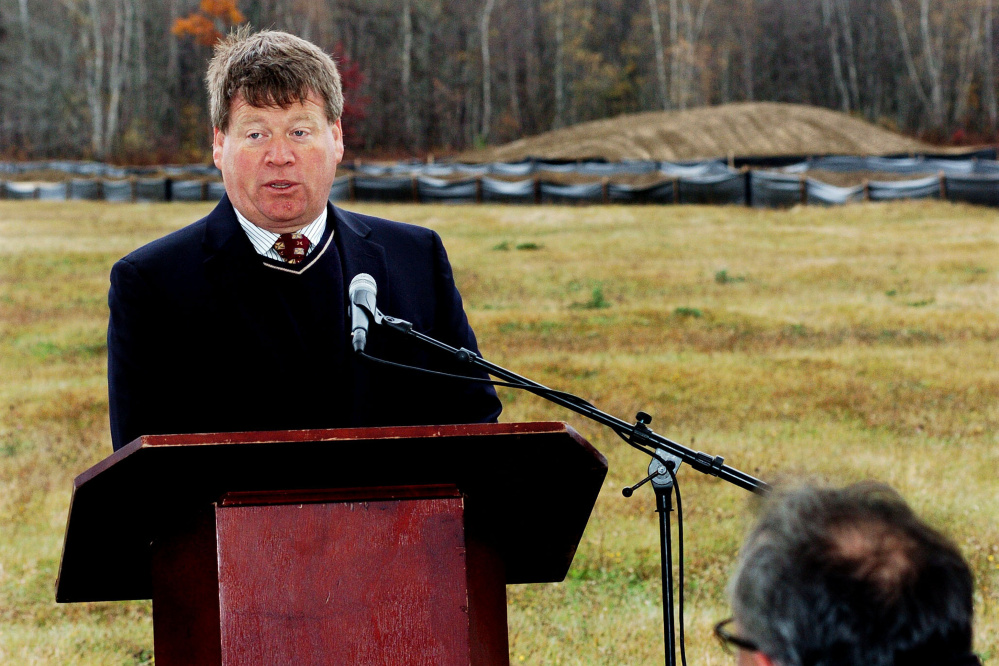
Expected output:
(292, 247)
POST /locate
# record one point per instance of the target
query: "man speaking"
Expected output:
(239, 321)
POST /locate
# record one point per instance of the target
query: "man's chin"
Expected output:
(280, 219)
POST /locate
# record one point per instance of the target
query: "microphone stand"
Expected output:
(662, 478)
(664, 505)
(637, 434)
(666, 455)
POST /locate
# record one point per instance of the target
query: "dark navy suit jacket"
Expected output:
(205, 336)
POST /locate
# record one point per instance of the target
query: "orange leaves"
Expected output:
(223, 9)
(198, 26)
(208, 24)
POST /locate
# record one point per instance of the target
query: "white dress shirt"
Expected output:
(263, 240)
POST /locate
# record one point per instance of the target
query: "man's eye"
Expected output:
(254, 135)
(299, 133)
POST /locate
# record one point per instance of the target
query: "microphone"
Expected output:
(362, 293)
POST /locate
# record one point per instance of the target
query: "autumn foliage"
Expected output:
(210, 22)
(355, 104)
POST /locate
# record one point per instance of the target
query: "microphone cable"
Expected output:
(679, 540)
(624, 433)
(541, 391)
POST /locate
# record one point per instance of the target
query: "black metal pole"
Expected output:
(664, 505)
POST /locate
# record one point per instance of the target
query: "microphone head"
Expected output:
(362, 282)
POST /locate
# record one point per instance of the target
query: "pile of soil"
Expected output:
(752, 129)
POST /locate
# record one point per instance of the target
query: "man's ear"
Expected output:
(337, 130)
(218, 139)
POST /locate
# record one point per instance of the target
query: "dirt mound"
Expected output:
(743, 130)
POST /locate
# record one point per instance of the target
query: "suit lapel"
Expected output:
(359, 254)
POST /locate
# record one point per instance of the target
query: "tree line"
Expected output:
(123, 79)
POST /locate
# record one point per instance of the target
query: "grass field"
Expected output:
(836, 344)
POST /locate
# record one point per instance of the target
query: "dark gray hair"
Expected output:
(270, 68)
(851, 577)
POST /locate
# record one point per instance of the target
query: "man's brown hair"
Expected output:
(270, 68)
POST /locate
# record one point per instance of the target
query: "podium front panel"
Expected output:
(329, 582)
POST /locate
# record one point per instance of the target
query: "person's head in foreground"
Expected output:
(849, 577)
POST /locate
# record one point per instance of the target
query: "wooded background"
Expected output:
(123, 79)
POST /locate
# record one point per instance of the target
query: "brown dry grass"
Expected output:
(837, 344)
(746, 129)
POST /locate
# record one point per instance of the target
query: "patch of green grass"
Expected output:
(723, 277)
(542, 327)
(142, 657)
(684, 311)
(597, 300)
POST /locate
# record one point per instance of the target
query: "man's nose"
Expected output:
(280, 152)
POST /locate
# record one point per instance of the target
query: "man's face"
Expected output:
(278, 163)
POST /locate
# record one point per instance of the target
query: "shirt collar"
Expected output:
(263, 240)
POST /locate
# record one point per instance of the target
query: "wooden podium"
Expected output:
(367, 546)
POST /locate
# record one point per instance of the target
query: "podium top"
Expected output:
(531, 485)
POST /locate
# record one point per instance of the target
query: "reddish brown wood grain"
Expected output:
(350, 434)
(186, 592)
(341, 582)
(353, 582)
(270, 497)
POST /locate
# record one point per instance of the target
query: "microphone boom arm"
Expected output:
(638, 435)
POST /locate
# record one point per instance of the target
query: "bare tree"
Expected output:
(686, 26)
(559, 64)
(844, 12)
(106, 73)
(932, 98)
(676, 64)
(988, 67)
(407, 67)
(657, 44)
(970, 44)
(513, 82)
(832, 26)
(487, 81)
(747, 41)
